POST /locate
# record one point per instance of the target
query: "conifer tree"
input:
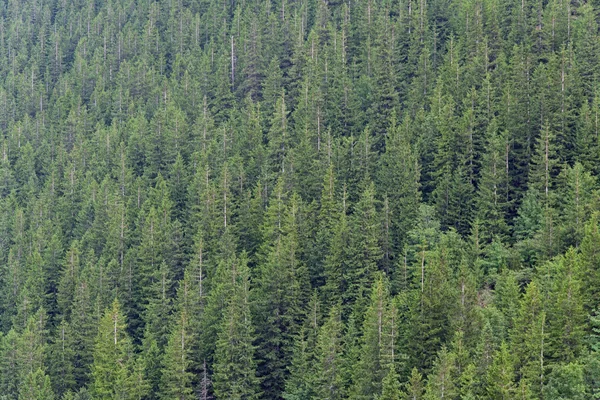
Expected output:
(84, 330)
(507, 296)
(36, 386)
(399, 179)
(61, 360)
(159, 307)
(31, 348)
(500, 376)
(218, 285)
(281, 291)
(176, 377)
(364, 251)
(235, 367)
(543, 171)
(114, 364)
(431, 307)
(494, 187)
(529, 339)
(391, 386)
(299, 384)
(590, 261)
(144, 147)
(66, 286)
(576, 203)
(371, 368)
(566, 382)
(567, 315)
(441, 383)
(278, 140)
(328, 375)
(9, 366)
(414, 388)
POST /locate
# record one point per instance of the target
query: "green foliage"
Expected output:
(500, 377)
(235, 366)
(176, 376)
(114, 368)
(566, 382)
(299, 199)
(36, 386)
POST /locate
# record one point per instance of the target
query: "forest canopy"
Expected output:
(299, 199)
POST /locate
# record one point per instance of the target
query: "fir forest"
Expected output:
(299, 199)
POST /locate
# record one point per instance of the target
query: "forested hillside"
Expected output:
(299, 199)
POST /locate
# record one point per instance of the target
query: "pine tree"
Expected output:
(390, 386)
(62, 358)
(399, 179)
(576, 202)
(364, 251)
(529, 339)
(280, 292)
(36, 386)
(566, 317)
(113, 368)
(414, 388)
(176, 376)
(371, 368)
(500, 377)
(441, 382)
(494, 190)
(235, 367)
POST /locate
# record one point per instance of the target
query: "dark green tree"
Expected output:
(235, 365)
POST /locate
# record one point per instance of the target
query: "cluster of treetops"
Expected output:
(299, 199)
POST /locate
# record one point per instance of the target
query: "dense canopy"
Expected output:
(299, 199)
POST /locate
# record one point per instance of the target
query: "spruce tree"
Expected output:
(529, 339)
(414, 388)
(576, 204)
(567, 315)
(61, 360)
(364, 250)
(300, 384)
(280, 292)
(113, 368)
(441, 383)
(36, 386)
(500, 377)
(235, 366)
(176, 377)
(371, 368)
(399, 178)
(494, 189)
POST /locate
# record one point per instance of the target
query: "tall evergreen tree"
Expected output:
(114, 363)
(176, 377)
(235, 367)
